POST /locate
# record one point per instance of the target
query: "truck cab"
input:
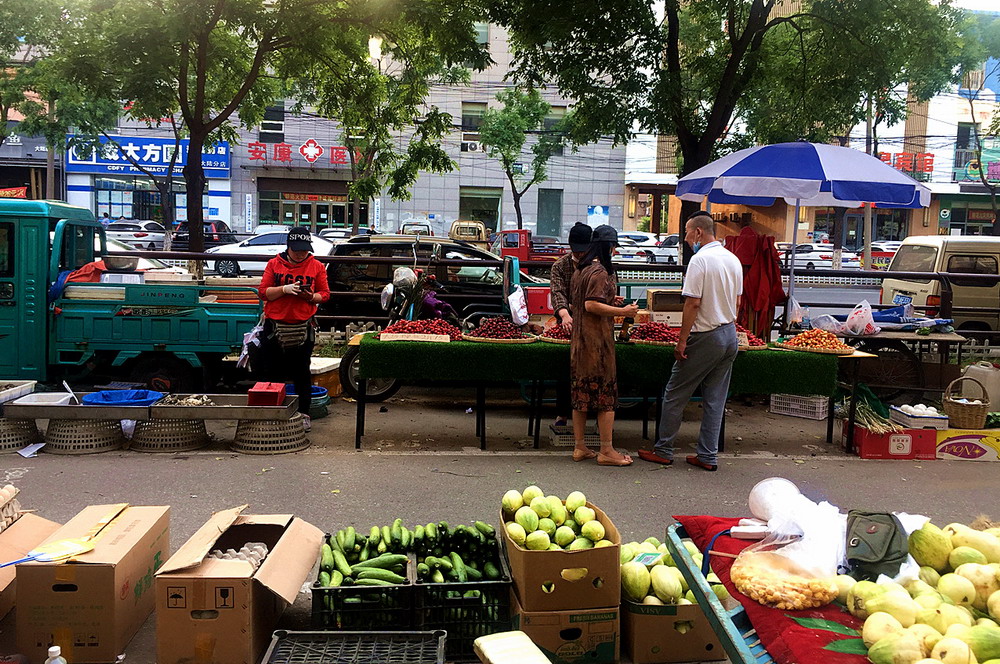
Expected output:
(473, 232)
(518, 243)
(161, 334)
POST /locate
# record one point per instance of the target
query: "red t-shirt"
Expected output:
(310, 273)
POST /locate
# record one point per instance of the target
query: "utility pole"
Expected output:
(50, 160)
(867, 230)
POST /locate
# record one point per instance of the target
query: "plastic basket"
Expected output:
(16, 433)
(465, 618)
(365, 608)
(169, 435)
(563, 436)
(811, 408)
(356, 648)
(270, 436)
(83, 436)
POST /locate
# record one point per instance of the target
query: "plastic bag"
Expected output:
(795, 311)
(518, 306)
(860, 321)
(829, 323)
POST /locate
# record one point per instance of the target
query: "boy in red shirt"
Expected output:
(294, 283)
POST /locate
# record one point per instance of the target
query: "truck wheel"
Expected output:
(227, 267)
(166, 374)
(378, 389)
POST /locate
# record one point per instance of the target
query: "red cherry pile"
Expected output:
(752, 338)
(556, 332)
(656, 332)
(497, 328)
(430, 326)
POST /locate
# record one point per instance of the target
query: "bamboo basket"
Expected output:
(965, 415)
(818, 351)
(485, 340)
(644, 342)
(550, 340)
(753, 347)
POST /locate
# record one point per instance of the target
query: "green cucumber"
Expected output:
(375, 536)
(432, 533)
(423, 570)
(406, 539)
(350, 538)
(340, 563)
(324, 579)
(365, 553)
(336, 578)
(491, 572)
(418, 536)
(386, 536)
(382, 574)
(385, 561)
(473, 574)
(485, 528)
(437, 576)
(341, 538)
(326, 558)
(460, 573)
(372, 582)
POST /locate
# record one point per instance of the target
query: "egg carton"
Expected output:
(10, 507)
(939, 421)
(251, 552)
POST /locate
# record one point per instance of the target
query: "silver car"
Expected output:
(138, 233)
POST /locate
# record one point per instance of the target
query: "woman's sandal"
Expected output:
(583, 455)
(605, 460)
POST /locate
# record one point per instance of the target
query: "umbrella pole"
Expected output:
(791, 267)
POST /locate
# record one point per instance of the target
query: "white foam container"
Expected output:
(45, 399)
(19, 389)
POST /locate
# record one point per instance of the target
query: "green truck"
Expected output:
(168, 336)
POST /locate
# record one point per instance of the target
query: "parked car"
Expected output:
(335, 234)
(367, 280)
(816, 256)
(217, 233)
(415, 228)
(144, 264)
(949, 253)
(138, 233)
(630, 251)
(265, 243)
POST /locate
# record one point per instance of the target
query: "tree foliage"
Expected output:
(505, 131)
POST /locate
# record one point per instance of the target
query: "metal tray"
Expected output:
(229, 407)
(74, 411)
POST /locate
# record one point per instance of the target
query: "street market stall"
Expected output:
(640, 366)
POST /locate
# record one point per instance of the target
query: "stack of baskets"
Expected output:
(16, 433)
(961, 413)
(271, 436)
(165, 435)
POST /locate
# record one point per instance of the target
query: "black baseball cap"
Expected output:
(579, 237)
(299, 239)
(606, 233)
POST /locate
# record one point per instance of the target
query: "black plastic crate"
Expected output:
(365, 608)
(465, 618)
(356, 648)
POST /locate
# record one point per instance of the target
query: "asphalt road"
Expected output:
(421, 464)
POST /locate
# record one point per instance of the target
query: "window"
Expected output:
(555, 116)
(482, 29)
(272, 127)
(480, 204)
(472, 117)
(123, 227)
(971, 265)
(549, 212)
(974, 79)
(267, 238)
(470, 273)
(6, 249)
(153, 227)
(914, 258)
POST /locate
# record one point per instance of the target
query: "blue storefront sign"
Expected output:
(152, 153)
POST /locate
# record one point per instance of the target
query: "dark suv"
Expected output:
(217, 233)
(483, 284)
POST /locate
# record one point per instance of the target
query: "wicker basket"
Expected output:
(83, 436)
(646, 342)
(553, 340)
(270, 436)
(169, 435)
(16, 433)
(847, 350)
(965, 415)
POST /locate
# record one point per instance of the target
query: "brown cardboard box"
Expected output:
(93, 604)
(664, 299)
(15, 542)
(600, 586)
(566, 637)
(223, 611)
(650, 635)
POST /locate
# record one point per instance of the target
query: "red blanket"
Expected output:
(791, 637)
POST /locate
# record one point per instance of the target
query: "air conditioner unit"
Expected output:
(471, 146)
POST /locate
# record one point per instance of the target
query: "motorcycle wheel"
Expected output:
(378, 389)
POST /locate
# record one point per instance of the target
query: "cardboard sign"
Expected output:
(433, 338)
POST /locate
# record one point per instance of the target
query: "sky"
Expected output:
(979, 5)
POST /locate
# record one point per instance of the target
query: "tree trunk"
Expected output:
(194, 178)
(517, 207)
(356, 211)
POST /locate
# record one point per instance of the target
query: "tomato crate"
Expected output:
(365, 608)
(466, 610)
(811, 408)
(355, 647)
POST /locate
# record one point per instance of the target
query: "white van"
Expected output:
(948, 253)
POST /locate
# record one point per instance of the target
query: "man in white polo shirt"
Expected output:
(704, 355)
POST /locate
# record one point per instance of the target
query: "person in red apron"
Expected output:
(293, 285)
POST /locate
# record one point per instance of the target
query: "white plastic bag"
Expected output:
(860, 321)
(829, 323)
(518, 306)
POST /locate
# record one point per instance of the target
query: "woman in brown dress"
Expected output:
(594, 384)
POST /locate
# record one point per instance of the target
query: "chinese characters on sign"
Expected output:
(153, 154)
(311, 151)
(909, 162)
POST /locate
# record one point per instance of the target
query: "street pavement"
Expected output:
(422, 463)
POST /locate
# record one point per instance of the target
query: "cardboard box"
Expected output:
(664, 299)
(908, 444)
(968, 444)
(93, 604)
(15, 542)
(650, 634)
(224, 611)
(671, 318)
(566, 637)
(538, 579)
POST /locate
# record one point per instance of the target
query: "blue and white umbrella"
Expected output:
(811, 174)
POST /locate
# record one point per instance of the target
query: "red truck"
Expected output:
(518, 243)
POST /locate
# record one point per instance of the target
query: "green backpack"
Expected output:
(876, 544)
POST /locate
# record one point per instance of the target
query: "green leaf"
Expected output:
(827, 625)
(848, 647)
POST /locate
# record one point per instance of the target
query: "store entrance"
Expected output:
(316, 215)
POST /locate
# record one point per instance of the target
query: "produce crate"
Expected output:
(365, 608)
(811, 408)
(563, 436)
(15, 389)
(736, 634)
(465, 618)
(937, 422)
(356, 648)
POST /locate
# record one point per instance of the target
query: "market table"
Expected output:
(643, 367)
(896, 340)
